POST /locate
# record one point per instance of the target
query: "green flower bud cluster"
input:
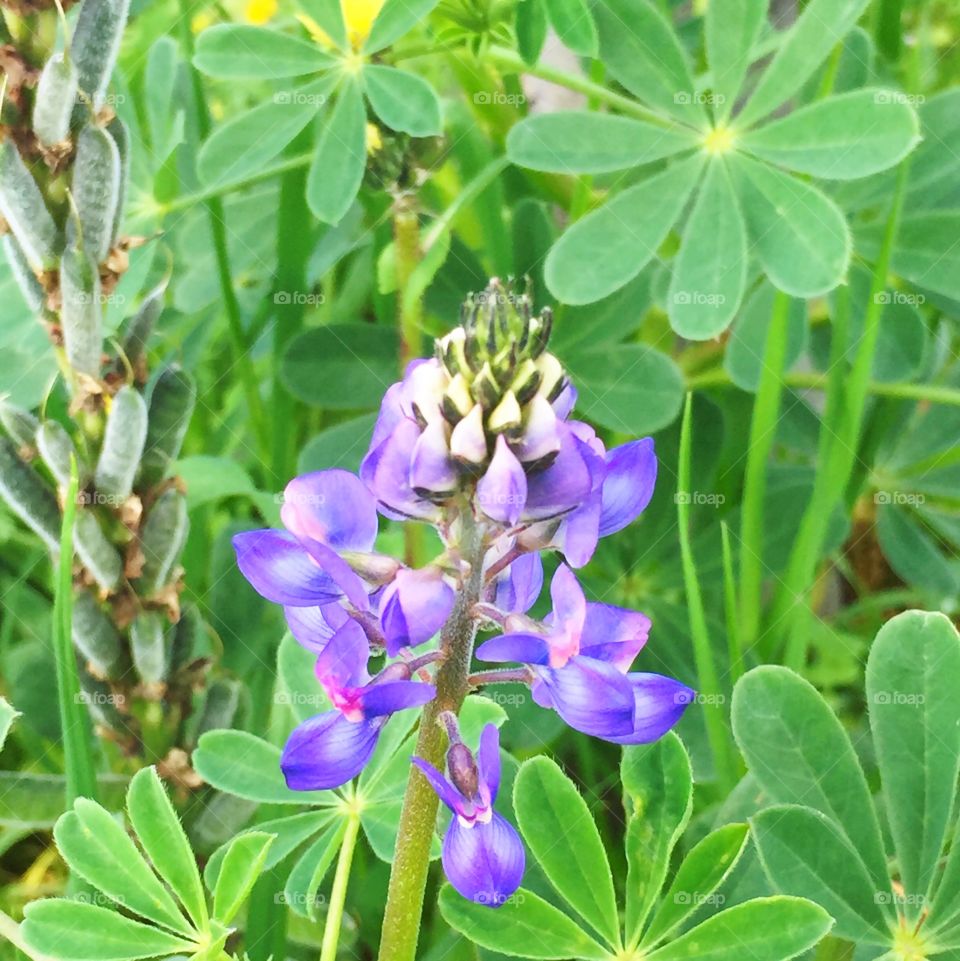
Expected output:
(63, 172)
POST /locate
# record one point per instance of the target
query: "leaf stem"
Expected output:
(418, 818)
(714, 714)
(338, 893)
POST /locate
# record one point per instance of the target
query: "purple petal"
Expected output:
(392, 696)
(423, 386)
(280, 570)
(484, 862)
(540, 434)
(564, 402)
(312, 627)
(345, 577)
(391, 413)
(441, 786)
(431, 466)
(579, 532)
(386, 472)
(502, 491)
(414, 607)
(327, 750)
(591, 696)
(518, 587)
(659, 704)
(332, 507)
(565, 484)
(569, 604)
(488, 759)
(343, 662)
(521, 648)
(628, 485)
(614, 634)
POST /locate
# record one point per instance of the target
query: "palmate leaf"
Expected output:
(573, 23)
(402, 100)
(242, 863)
(239, 50)
(731, 29)
(396, 17)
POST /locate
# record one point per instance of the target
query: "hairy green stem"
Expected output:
(709, 686)
(338, 893)
(418, 819)
(763, 429)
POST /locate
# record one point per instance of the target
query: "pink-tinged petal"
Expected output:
(312, 627)
(569, 604)
(345, 577)
(540, 434)
(502, 491)
(414, 607)
(468, 442)
(280, 570)
(389, 697)
(659, 703)
(614, 634)
(441, 786)
(484, 862)
(332, 507)
(517, 588)
(342, 664)
(488, 760)
(386, 472)
(432, 469)
(591, 696)
(628, 485)
(564, 485)
(327, 750)
(519, 648)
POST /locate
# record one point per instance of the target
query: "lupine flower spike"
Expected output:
(483, 855)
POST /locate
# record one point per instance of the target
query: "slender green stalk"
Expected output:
(840, 451)
(74, 719)
(407, 255)
(763, 430)
(734, 642)
(709, 686)
(418, 818)
(338, 893)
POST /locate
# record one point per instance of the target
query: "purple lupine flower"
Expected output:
(331, 748)
(323, 567)
(579, 663)
(483, 856)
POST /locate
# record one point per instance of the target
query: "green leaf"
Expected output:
(340, 157)
(765, 929)
(703, 870)
(610, 246)
(342, 445)
(308, 873)
(230, 50)
(8, 714)
(658, 797)
(298, 682)
(743, 358)
(403, 101)
(578, 141)
(634, 389)
(247, 766)
(710, 271)
(209, 479)
(641, 51)
(913, 674)
(799, 753)
(573, 22)
(913, 552)
(731, 29)
(158, 829)
(98, 849)
(563, 838)
(328, 15)
(525, 926)
(799, 235)
(926, 252)
(248, 141)
(806, 45)
(806, 854)
(853, 135)
(394, 20)
(531, 27)
(342, 366)
(59, 928)
(242, 865)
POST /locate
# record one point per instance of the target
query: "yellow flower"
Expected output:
(260, 11)
(358, 17)
(374, 140)
(201, 21)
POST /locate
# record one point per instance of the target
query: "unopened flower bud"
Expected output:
(507, 415)
(463, 770)
(468, 441)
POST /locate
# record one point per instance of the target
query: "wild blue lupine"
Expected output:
(579, 661)
(477, 441)
(329, 749)
(483, 855)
